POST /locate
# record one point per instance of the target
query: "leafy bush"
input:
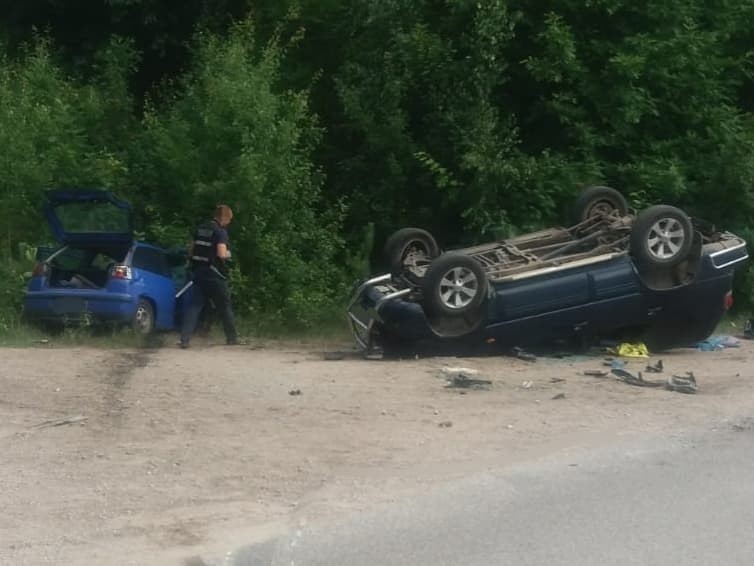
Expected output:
(228, 136)
(468, 118)
(14, 274)
(49, 127)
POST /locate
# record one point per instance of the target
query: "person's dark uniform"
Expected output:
(210, 282)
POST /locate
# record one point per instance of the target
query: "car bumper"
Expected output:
(377, 307)
(84, 305)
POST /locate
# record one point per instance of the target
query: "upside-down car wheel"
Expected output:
(454, 285)
(409, 252)
(661, 236)
(599, 201)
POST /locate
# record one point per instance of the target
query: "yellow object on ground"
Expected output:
(627, 350)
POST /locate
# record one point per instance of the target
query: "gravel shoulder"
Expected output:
(155, 456)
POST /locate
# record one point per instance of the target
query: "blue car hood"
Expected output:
(89, 218)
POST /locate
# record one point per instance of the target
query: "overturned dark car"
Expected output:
(657, 276)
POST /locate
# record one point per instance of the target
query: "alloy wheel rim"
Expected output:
(666, 238)
(143, 319)
(458, 288)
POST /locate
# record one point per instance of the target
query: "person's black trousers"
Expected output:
(208, 285)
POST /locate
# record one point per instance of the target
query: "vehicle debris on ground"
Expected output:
(681, 384)
(716, 343)
(595, 372)
(464, 382)
(628, 350)
(463, 378)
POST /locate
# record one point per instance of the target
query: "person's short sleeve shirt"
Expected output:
(220, 235)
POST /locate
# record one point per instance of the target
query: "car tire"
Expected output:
(661, 236)
(409, 252)
(143, 322)
(594, 201)
(454, 285)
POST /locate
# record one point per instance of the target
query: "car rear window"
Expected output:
(93, 217)
(151, 260)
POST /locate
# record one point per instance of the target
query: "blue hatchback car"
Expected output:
(99, 273)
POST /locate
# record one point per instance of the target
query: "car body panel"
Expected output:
(157, 287)
(73, 304)
(160, 292)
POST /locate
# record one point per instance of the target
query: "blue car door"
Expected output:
(541, 307)
(151, 280)
(619, 298)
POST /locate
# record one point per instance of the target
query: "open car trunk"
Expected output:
(80, 268)
(95, 231)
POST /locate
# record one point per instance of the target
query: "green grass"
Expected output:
(732, 324)
(19, 334)
(25, 335)
(329, 332)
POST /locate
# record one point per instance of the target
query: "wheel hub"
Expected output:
(666, 237)
(458, 288)
(416, 258)
(142, 318)
(601, 208)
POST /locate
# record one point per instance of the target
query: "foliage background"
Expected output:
(326, 124)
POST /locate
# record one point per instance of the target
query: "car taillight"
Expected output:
(121, 272)
(728, 302)
(40, 269)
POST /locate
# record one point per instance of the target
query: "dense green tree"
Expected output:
(469, 118)
(228, 136)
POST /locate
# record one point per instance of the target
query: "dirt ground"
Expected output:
(170, 454)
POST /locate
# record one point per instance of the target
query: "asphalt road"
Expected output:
(676, 501)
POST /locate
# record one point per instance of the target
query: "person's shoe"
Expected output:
(183, 345)
(232, 342)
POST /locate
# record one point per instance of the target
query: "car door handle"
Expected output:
(653, 311)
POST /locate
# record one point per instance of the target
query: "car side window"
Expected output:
(150, 260)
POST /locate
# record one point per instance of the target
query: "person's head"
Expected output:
(223, 214)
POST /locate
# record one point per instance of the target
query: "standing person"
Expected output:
(209, 253)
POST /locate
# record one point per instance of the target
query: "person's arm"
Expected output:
(222, 251)
(222, 245)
